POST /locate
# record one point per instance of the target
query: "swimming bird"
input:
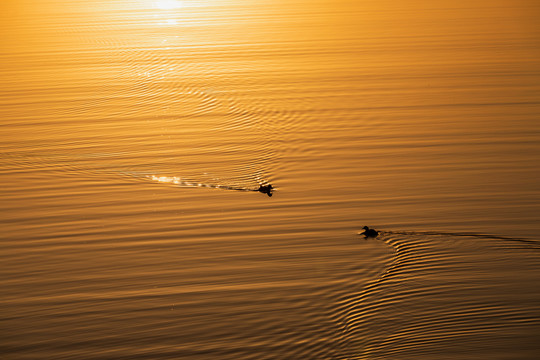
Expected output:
(369, 232)
(265, 189)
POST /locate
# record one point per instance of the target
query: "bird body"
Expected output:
(370, 232)
(266, 189)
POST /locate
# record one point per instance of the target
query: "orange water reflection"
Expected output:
(126, 124)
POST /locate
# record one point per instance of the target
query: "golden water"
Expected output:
(128, 128)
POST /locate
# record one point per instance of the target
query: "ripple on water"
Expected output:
(445, 294)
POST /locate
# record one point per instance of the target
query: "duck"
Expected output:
(369, 232)
(265, 189)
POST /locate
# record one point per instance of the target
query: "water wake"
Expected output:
(440, 288)
(463, 234)
(264, 187)
(83, 165)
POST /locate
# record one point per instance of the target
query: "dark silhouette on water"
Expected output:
(369, 232)
(266, 189)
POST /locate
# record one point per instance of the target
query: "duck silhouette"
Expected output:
(369, 232)
(265, 189)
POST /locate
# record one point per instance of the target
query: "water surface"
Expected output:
(136, 133)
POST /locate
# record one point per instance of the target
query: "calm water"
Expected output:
(135, 133)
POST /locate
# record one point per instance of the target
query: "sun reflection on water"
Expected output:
(167, 4)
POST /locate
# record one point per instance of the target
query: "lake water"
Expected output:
(135, 134)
